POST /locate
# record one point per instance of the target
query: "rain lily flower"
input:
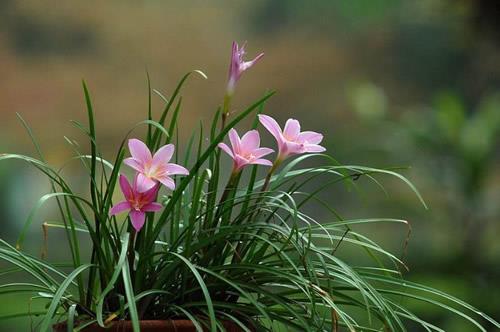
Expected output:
(153, 169)
(137, 203)
(246, 150)
(238, 66)
(291, 140)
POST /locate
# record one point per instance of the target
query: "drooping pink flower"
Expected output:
(291, 140)
(238, 65)
(137, 203)
(153, 169)
(246, 150)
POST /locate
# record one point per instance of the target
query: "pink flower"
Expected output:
(291, 140)
(152, 169)
(138, 203)
(247, 150)
(238, 65)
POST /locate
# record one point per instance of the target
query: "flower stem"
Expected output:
(269, 175)
(230, 187)
(225, 109)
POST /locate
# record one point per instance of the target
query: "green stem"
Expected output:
(230, 188)
(225, 110)
(267, 181)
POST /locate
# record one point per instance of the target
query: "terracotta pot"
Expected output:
(175, 325)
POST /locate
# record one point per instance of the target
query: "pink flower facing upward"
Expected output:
(247, 150)
(137, 203)
(291, 140)
(153, 169)
(238, 65)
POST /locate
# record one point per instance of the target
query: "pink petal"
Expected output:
(126, 188)
(150, 195)
(226, 149)
(310, 137)
(248, 64)
(233, 67)
(271, 125)
(261, 152)
(137, 218)
(314, 148)
(235, 141)
(250, 141)
(134, 164)
(240, 162)
(173, 169)
(120, 207)
(264, 162)
(241, 50)
(164, 154)
(143, 183)
(167, 182)
(292, 129)
(294, 148)
(139, 151)
(152, 207)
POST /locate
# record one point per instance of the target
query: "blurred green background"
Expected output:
(390, 83)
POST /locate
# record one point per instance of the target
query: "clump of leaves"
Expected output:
(243, 251)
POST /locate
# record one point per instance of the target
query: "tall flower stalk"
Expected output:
(237, 66)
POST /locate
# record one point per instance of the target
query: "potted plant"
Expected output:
(184, 242)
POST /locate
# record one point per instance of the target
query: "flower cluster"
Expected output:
(291, 141)
(151, 171)
(246, 150)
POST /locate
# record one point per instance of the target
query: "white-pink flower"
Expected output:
(291, 140)
(152, 169)
(238, 65)
(137, 203)
(246, 150)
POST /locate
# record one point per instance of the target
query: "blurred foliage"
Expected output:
(33, 35)
(273, 16)
(368, 100)
(464, 142)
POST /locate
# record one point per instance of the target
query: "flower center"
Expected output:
(137, 202)
(249, 156)
(136, 205)
(153, 171)
(289, 138)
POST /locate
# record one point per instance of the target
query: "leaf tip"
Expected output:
(202, 74)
